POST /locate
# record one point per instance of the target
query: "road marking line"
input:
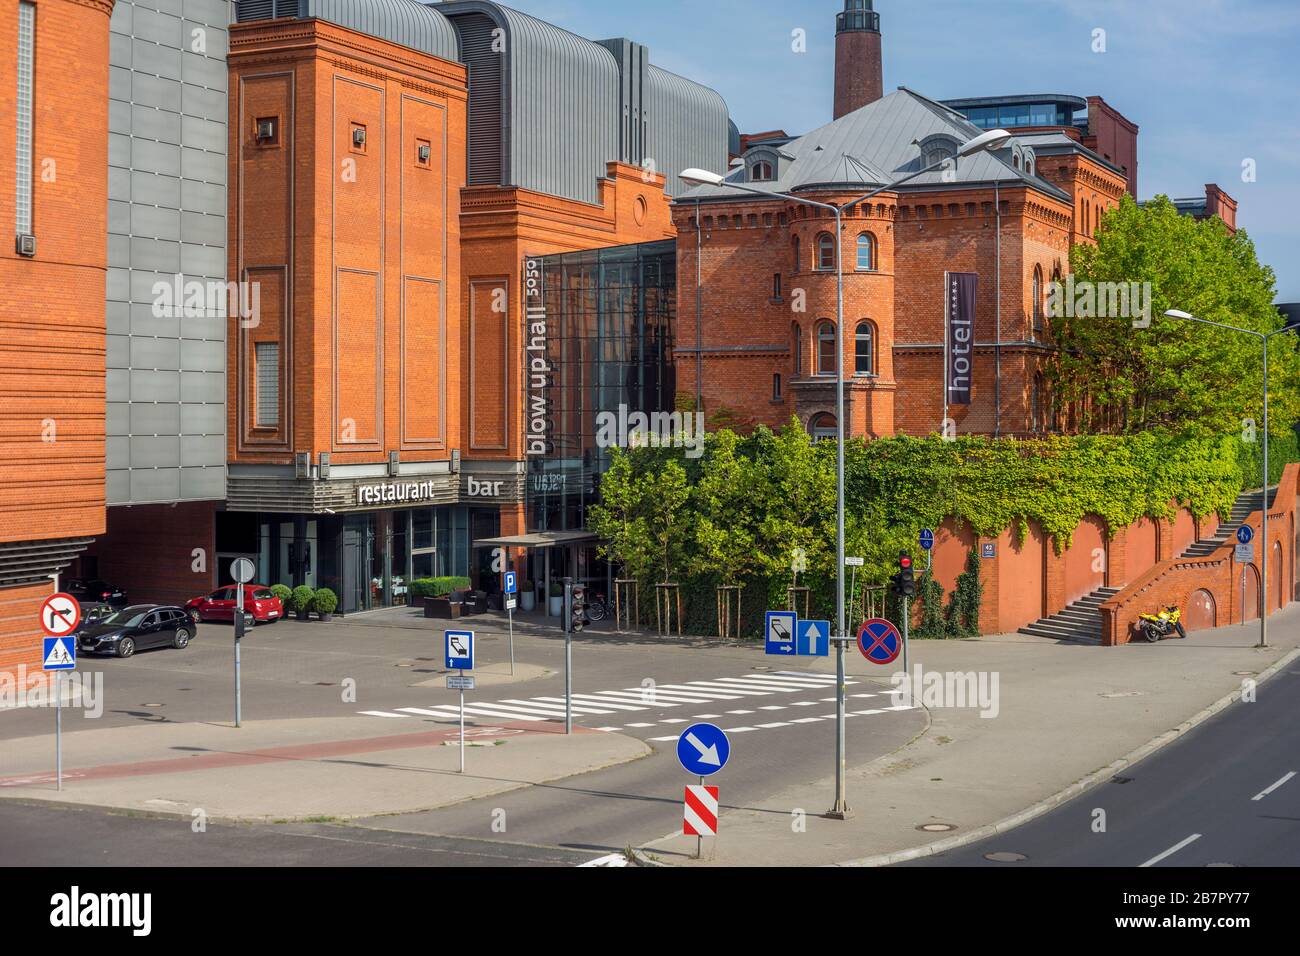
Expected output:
(659, 739)
(740, 711)
(423, 712)
(1171, 851)
(740, 730)
(609, 729)
(583, 709)
(773, 707)
(1264, 793)
(778, 724)
(478, 709)
(806, 720)
(862, 695)
(804, 703)
(640, 725)
(674, 720)
(742, 684)
(866, 713)
(604, 702)
(828, 700)
(718, 693)
(380, 713)
(705, 716)
(534, 706)
(532, 711)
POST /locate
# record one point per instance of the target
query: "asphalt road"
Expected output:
(1218, 796)
(294, 670)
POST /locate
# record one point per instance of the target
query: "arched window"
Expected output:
(825, 252)
(1038, 302)
(761, 172)
(866, 252)
(822, 427)
(796, 348)
(826, 347)
(798, 261)
(864, 349)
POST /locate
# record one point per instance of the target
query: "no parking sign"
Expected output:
(879, 641)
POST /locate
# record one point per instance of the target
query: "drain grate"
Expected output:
(1005, 856)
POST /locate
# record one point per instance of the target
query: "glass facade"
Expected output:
(1019, 114)
(609, 317)
(367, 559)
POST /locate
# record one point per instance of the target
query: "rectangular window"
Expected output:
(23, 120)
(776, 285)
(776, 387)
(268, 384)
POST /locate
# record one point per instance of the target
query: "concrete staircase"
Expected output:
(1078, 623)
(1246, 504)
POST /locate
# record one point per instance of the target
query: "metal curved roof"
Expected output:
(687, 124)
(408, 22)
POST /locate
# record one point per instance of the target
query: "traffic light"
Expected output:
(578, 609)
(903, 583)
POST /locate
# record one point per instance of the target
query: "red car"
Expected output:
(260, 605)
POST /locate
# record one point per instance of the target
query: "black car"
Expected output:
(90, 591)
(136, 628)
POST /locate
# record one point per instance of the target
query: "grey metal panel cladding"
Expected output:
(487, 162)
(563, 108)
(407, 22)
(686, 125)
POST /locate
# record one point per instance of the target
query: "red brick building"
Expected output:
(53, 203)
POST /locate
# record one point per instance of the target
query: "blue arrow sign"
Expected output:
(460, 650)
(814, 638)
(927, 539)
(780, 631)
(512, 585)
(1245, 534)
(703, 749)
(59, 654)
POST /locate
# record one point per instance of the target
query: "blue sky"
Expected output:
(1211, 83)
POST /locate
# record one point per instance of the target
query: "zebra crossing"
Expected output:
(643, 708)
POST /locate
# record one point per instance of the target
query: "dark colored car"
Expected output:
(91, 591)
(261, 606)
(136, 628)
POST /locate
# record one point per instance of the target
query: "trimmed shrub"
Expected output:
(283, 592)
(324, 601)
(422, 588)
(300, 599)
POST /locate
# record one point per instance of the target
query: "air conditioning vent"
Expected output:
(26, 245)
(324, 466)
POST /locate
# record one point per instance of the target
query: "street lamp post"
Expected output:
(988, 141)
(1264, 503)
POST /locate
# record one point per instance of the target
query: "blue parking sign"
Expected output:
(512, 585)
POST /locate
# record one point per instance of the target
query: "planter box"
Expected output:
(442, 608)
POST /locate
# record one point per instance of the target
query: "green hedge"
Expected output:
(437, 587)
(735, 514)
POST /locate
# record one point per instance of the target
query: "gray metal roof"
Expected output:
(569, 105)
(1055, 143)
(407, 22)
(877, 144)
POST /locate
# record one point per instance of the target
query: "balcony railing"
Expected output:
(857, 21)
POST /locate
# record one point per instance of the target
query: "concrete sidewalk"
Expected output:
(1066, 712)
(335, 768)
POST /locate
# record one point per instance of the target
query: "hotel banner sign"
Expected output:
(959, 340)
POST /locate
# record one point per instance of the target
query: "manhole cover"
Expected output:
(937, 827)
(1221, 864)
(1005, 856)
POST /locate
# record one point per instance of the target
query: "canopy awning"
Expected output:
(538, 539)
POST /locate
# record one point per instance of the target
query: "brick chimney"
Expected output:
(859, 75)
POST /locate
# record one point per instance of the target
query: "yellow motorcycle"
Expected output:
(1156, 627)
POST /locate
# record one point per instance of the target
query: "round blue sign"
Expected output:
(703, 749)
(927, 539)
(1245, 534)
(879, 641)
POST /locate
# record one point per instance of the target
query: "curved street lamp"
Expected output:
(989, 141)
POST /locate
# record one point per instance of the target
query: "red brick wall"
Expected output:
(1179, 581)
(150, 551)
(20, 625)
(859, 72)
(358, 247)
(52, 327)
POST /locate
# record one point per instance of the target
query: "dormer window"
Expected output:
(938, 147)
(762, 164)
(761, 172)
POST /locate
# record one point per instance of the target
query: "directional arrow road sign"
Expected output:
(814, 638)
(703, 749)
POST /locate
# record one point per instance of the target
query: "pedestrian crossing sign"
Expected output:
(59, 654)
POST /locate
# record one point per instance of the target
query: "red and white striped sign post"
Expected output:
(700, 818)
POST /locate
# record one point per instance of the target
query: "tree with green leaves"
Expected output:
(1175, 373)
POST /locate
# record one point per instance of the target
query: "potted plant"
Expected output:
(300, 601)
(285, 594)
(325, 602)
(555, 598)
(528, 596)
